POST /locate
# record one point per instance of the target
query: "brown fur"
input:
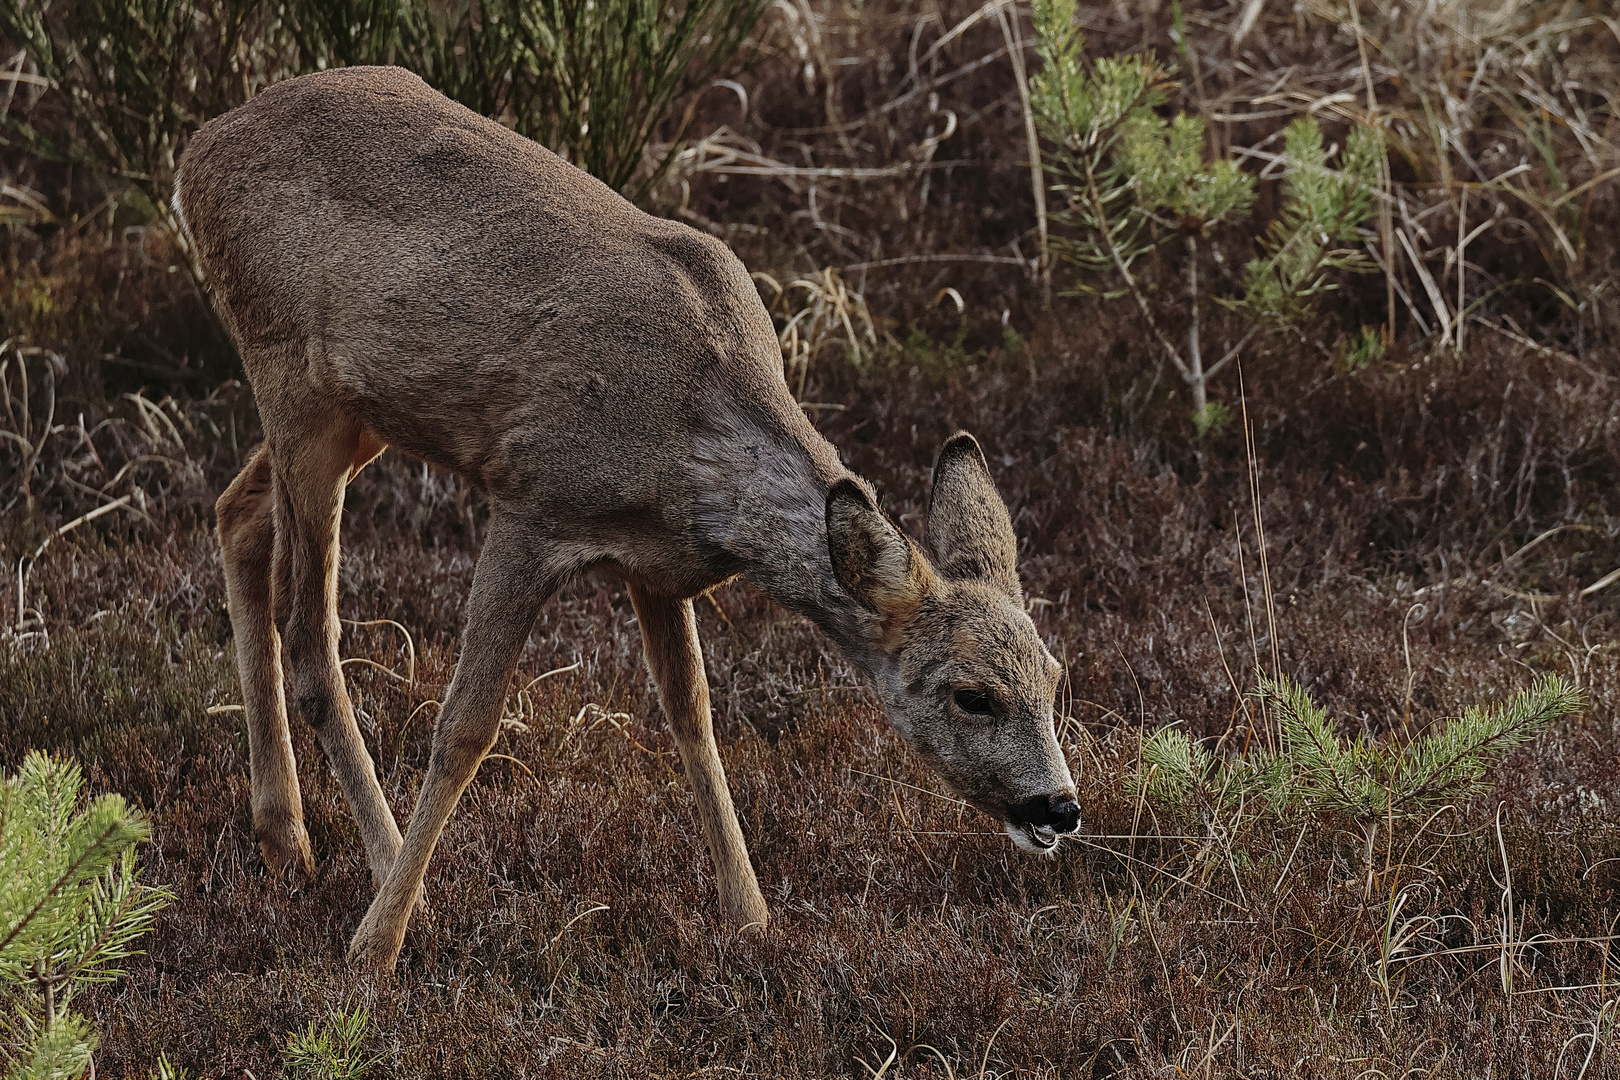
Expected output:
(399, 271)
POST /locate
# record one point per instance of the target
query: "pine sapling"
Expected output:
(1315, 771)
(1132, 181)
(1323, 211)
(71, 908)
(331, 1049)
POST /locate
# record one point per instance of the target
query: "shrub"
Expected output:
(1313, 771)
(600, 75)
(1135, 182)
(330, 1049)
(1323, 210)
(133, 77)
(593, 80)
(70, 910)
(590, 80)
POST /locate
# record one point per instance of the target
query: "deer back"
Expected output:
(476, 301)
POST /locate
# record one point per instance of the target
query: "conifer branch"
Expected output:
(1136, 180)
(1315, 771)
(71, 906)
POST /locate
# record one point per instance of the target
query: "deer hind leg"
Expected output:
(247, 540)
(675, 659)
(311, 468)
(512, 581)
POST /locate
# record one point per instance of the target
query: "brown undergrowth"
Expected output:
(571, 930)
(1440, 525)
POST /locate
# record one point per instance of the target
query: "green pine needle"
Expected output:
(331, 1049)
(1323, 209)
(71, 908)
(1315, 771)
(60, 1050)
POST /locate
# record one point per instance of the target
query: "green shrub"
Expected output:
(133, 78)
(1135, 182)
(71, 908)
(1323, 210)
(1312, 770)
(330, 1049)
(469, 53)
(600, 75)
(592, 79)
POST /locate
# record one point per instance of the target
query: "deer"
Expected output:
(397, 270)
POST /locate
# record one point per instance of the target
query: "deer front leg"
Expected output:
(669, 636)
(506, 597)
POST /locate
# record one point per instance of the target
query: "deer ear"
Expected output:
(970, 534)
(872, 560)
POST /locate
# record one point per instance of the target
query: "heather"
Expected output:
(1399, 496)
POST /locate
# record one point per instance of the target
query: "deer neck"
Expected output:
(761, 508)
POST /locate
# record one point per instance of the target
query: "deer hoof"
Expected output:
(373, 953)
(286, 847)
(749, 916)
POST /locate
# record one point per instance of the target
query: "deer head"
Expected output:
(962, 671)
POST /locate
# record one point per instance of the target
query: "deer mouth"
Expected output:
(1035, 839)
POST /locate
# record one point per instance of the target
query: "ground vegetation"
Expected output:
(1408, 510)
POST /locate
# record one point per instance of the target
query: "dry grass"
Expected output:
(890, 142)
(1438, 526)
(572, 929)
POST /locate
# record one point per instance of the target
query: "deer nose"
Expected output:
(1058, 812)
(1065, 813)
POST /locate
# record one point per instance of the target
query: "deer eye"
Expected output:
(976, 702)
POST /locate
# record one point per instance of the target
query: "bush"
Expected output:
(70, 910)
(1135, 181)
(331, 1049)
(132, 79)
(1313, 771)
(593, 80)
(599, 77)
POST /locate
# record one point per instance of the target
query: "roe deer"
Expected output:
(397, 270)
